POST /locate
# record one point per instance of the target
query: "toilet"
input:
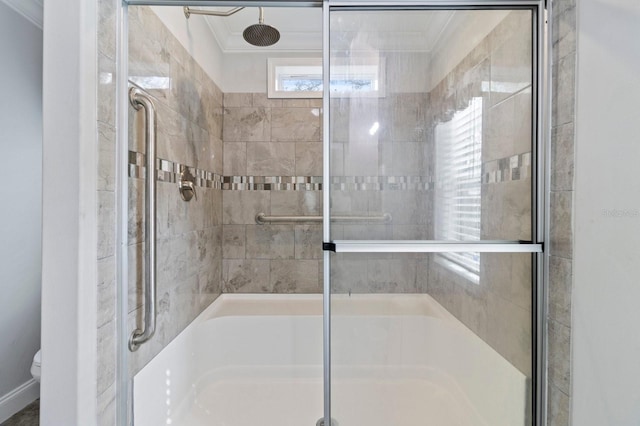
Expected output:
(35, 366)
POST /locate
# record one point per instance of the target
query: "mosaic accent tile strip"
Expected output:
(382, 183)
(168, 171)
(516, 167)
(272, 183)
(338, 183)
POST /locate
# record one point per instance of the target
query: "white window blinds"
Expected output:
(458, 183)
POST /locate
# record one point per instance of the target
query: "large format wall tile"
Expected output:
(271, 159)
(295, 124)
(106, 224)
(241, 207)
(294, 276)
(246, 124)
(496, 302)
(562, 167)
(106, 157)
(308, 159)
(271, 138)
(189, 234)
(270, 242)
(235, 159)
(245, 276)
(106, 290)
(563, 37)
(560, 281)
(561, 233)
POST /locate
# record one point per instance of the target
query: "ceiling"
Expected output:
(301, 29)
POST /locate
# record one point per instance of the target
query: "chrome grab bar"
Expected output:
(140, 100)
(262, 219)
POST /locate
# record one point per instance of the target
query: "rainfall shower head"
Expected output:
(261, 34)
(258, 34)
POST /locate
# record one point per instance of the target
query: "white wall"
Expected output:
(232, 72)
(21, 206)
(247, 72)
(69, 214)
(463, 33)
(606, 298)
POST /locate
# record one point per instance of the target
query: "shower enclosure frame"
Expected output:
(541, 125)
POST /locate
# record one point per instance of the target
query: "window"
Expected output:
(458, 177)
(302, 78)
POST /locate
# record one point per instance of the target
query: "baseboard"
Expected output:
(18, 398)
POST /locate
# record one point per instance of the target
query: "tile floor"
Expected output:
(29, 416)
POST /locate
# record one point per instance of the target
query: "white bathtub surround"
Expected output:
(257, 359)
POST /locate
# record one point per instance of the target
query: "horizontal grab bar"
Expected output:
(262, 219)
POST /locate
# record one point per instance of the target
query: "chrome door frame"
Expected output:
(540, 137)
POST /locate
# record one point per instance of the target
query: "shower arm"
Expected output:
(188, 12)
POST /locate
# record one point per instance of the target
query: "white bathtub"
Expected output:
(398, 360)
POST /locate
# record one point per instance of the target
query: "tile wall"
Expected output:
(189, 234)
(498, 307)
(376, 171)
(189, 253)
(106, 266)
(282, 258)
(563, 58)
(278, 141)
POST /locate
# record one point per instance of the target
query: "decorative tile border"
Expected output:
(272, 183)
(382, 183)
(168, 171)
(314, 183)
(516, 167)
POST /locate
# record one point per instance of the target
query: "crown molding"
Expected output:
(410, 39)
(233, 42)
(32, 10)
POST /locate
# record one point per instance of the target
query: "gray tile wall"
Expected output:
(394, 177)
(300, 150)
(498, 308)
(189, 234)
(189, 245)
(106, 267)
(563, 58)
(271, 137)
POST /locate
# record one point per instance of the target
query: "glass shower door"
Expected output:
(432, 236)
